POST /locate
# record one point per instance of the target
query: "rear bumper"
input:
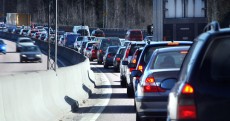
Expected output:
(151, 107)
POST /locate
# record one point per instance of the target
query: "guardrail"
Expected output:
(45, 95)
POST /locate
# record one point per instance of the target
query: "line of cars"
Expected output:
(176, 80)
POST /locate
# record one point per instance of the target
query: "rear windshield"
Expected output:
(71, 38)
(83, 32)
(105, 43)
(168, 60)
(122, 51)
(26, 40)
(90, 44)
(134, 47)
(113, 49)
(135, 33)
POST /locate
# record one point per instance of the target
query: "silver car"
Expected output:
(151, 96)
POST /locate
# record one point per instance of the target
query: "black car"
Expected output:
(117, 58)
(202, 92)
(30, 53)
(109, 55)
(104, 44)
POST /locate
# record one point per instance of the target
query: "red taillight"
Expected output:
(93, 51)
(150, 87)
(187, 112)
(118, 59)
(109, 56)
(131, 69)
(127, 53)
(100, 51)
(186, 106)
(140, 67)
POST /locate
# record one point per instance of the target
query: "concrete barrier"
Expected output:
(46, 95)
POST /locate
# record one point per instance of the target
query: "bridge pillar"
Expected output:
(157, 20)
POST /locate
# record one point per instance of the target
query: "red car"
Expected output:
(134, 35)
(93, 52)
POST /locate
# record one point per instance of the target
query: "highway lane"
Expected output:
(10, 62)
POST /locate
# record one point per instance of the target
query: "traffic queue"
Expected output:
(176, 80)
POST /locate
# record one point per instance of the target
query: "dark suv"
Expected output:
(104, 44)
(203, 88)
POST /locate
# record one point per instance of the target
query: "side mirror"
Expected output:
(136, 73)
(168, 84)
(132, 65)
(124, 62)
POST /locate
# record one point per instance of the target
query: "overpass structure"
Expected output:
(178, 19)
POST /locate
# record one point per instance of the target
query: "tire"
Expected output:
(123, 82)
(130, 92)
(105, 65)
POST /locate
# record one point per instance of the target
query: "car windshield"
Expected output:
(30, 49)
(168, 60)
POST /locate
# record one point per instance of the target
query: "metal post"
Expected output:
(56, 29)
(48, 57)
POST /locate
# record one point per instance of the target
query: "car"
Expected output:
(88, 47)
(76, 28)
(79, 41)
(23, 41)
(83, 32)
(109, 55)
(104, 44)
(144, 59)
(202, 90)
(31, 32)
(30, 53)
(98, 33)
(43, 36)
(151, 96)
(117, 58)
(125, 71)
(24, 32)
(134, 35)
(93, 52)
(70, 39)
(2, 47)
(148, 38)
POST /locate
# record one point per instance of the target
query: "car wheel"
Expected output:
(105, 65)
(130, 92)
(123, 82)
(90, 59)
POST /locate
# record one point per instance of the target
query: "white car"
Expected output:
(23, 41)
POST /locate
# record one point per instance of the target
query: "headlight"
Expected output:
(23, 55)
(38, 55)
(3, 47)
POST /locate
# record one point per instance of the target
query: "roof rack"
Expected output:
(214, 26)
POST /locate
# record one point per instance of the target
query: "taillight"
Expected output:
(140, 68)
(109, 56)
(93, 51)
(118, 59)
(186, 106)
(131, 69)
(100, 51)
(150, 85)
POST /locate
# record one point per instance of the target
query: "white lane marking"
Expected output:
(94, 112)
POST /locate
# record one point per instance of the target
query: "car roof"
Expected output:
(169, 49)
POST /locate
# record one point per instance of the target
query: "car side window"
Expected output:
(216, 64)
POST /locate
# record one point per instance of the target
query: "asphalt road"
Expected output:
(10, 62)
